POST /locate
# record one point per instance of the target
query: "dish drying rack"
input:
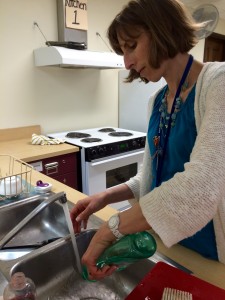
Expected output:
(15, 177)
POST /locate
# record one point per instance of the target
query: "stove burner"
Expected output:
(106, 130)
(78, 135)
(91, 140)
(120, 133)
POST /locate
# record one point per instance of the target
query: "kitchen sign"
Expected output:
(76, 14)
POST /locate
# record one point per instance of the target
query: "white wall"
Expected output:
(220, 28)
(57, 99)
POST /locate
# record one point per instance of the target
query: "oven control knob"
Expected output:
(93, 152)
(134, 144)
(110, 150)
(101, 151)
(143, 142)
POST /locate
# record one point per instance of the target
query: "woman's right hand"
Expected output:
(84, 208)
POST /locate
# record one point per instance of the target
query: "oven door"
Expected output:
(108, 172)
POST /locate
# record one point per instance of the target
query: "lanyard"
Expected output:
(161, 153)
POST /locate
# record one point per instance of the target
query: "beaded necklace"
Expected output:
(165, 116)
(168, 120)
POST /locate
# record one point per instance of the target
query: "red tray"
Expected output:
(163, 275)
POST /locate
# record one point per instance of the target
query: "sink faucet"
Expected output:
(59, 196)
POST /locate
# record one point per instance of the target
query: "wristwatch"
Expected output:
(113, 224)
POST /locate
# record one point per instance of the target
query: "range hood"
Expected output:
(71, 58)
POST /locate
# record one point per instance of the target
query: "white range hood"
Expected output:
(70, 58)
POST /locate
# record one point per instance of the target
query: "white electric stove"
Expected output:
(108, 156)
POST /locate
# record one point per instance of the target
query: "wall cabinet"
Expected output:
(62, 168)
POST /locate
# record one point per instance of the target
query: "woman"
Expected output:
(180, 192)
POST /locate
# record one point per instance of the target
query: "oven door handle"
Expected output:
(106, 160)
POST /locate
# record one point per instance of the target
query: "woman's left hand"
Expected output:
(101, 240)
(131, 221)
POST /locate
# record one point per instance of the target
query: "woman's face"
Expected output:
(136, 55)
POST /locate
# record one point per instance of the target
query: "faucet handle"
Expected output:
(63, 199)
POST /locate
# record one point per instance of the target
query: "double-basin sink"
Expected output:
(42, 249)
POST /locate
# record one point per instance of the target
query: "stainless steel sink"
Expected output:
(46, 226)
(53, 269)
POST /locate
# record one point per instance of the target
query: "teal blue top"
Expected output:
(179, 147)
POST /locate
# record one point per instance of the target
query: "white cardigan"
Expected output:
(184, 204)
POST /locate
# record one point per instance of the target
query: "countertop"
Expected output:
(17, 142)
(24, 150)
(210, 271)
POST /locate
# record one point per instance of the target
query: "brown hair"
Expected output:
(169, 25)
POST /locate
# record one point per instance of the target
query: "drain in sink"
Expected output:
(76, 288)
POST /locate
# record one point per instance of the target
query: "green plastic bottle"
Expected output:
(127, 250)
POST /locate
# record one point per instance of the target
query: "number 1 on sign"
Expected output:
(76, 15)
(75, 18)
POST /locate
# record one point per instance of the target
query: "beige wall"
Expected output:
(57, 99)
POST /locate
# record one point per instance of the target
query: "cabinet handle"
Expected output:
(51, 168)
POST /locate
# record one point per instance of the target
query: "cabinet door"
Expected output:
(60, 164)
(62, 168)
(69, 179)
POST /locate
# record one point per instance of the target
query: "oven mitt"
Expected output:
(44, 140)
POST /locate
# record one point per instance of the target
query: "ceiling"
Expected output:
(220, 4)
